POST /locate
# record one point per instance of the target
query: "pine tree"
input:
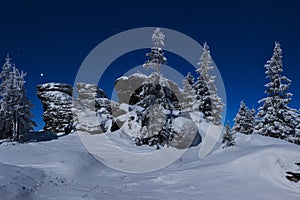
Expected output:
(228, 137)
(296, 137)
(202, 96)
(250, 121)
(23, 111)
(208, 100)
(156, 55)
(188, 101)
(190, 79)
(244, 120)
(15, 106)
(275, 117)
(6, 117)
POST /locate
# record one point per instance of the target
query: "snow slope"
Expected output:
(63, 169)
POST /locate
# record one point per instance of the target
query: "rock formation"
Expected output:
(94, 112)
(139, 89)
(57, 104)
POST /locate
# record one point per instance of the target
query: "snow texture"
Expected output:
(63, 169)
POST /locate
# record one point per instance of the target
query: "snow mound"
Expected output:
(63, 169)
(19, 182)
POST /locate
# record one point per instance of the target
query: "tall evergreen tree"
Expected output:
(208, 100)
(202, 96)
(5, 115)
(156, 55)
(275, 117)
(244, 120)
(15, 106)
(157, 99)
(189, 99)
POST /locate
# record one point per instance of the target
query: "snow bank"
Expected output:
(63, 169)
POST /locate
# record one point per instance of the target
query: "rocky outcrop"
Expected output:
(88, 94)
(139, 89)
(154, 112)
(57, 104)
(94, 112)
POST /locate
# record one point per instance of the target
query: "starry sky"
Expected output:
(54, 37)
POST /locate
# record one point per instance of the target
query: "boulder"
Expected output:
(187, 134)
(93, 111)
(130, 89)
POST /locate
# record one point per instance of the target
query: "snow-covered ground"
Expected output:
(63, 169)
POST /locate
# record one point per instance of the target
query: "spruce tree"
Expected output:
(244, 120)
(156, 55)
(190, 79)
(15, 106)
(275, 117)
(208, 100)
(5, 98)
(188, 99)
(228, 137)
(250, 121)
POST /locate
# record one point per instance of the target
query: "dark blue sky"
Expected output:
(54, 37)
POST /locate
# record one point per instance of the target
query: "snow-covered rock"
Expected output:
(93, 111)
(57, 104)
(130, 89)
(186, 133)
(87, 95)
(158, 99)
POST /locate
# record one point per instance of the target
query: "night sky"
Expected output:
(54, 37)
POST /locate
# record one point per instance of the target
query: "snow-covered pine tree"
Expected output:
(15, 106)
(202, 96)
(156, 55)
(275, 117)
(5, 115)
(250, 121)
(239, 119)
(158, 102)
(190, 78)
(23, 111)
(296, 137)
(157, 99)
(188, 99)
(208, 100)
(228, 137)
(244, 120)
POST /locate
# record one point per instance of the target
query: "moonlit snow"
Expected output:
(63, 169)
